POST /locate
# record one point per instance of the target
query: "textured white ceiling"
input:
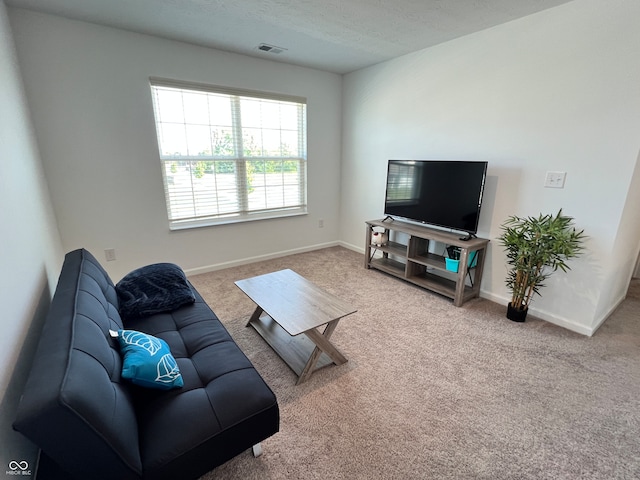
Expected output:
(334, 35)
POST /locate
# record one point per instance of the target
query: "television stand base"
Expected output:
(406, 254)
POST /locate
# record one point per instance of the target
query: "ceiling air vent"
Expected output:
(265, 47)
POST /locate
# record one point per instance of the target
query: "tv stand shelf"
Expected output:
(409, 258)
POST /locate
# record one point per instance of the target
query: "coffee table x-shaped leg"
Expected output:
(322, 345)
(320, 340)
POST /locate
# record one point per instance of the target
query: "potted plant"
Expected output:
(536, 247)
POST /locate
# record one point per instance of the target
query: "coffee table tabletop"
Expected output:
(298, 307)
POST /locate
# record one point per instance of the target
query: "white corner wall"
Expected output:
(88, 89)
(555, 91)
(31, 254)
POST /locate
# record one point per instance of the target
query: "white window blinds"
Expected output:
(229, 155)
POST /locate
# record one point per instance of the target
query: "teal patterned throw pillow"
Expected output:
(148, 361)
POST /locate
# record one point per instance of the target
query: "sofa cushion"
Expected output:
(223, 407)
(152, 289)
(148, 361)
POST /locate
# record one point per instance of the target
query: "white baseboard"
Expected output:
(358, 249)
(544, 315)
(258, 258)
(609, 312)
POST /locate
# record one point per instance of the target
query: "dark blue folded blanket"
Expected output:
(152, 289)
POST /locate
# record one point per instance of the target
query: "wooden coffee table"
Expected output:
(289, 311)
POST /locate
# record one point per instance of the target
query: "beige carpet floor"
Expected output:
(435, 391)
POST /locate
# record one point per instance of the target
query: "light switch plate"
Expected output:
(555, 179)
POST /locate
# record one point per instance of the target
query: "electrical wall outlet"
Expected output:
(555, 179)
(110, 254)
(321, 223)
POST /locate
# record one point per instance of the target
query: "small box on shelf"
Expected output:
(453, 261)
(451, 264)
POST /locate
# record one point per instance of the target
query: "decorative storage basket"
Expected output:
(452, 264)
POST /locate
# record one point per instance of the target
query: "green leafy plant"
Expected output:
(536, 247)
(200, 169)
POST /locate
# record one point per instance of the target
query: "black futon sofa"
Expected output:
(90, 423)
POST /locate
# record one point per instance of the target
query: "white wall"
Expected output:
(88, 88)
(626, 245)
(558, 90)
(31, 254)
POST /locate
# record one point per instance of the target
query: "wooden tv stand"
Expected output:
(406, 255)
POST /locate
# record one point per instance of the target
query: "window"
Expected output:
(229, 155)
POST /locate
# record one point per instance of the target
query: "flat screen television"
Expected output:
(444, 193)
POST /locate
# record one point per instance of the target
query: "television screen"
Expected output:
(438, 192)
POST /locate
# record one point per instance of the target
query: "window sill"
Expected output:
(212, 222)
